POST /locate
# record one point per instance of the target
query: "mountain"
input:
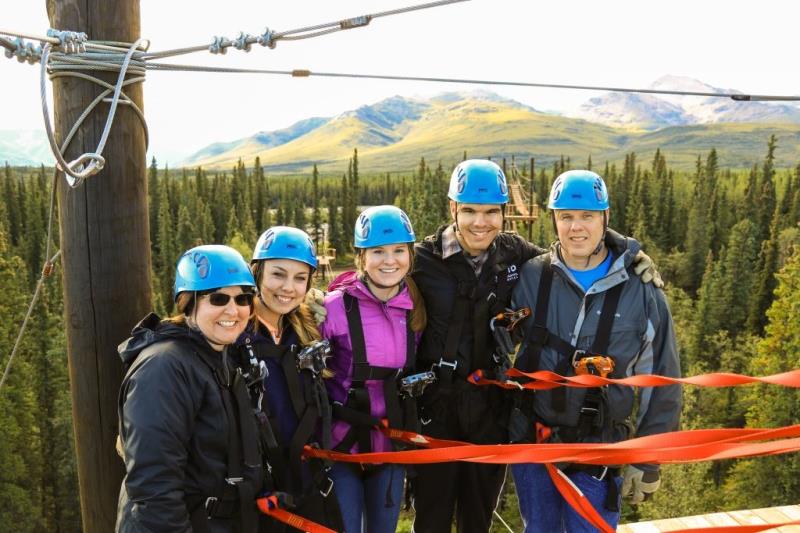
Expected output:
(25, 148)
(256, 143)
(394, 133)
(651, 112)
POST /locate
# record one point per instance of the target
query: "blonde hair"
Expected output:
(419, 317)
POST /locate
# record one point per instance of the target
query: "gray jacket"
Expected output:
(642, 340)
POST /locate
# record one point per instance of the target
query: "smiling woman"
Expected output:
(178, 430)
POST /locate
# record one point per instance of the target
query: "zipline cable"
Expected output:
(304, 73)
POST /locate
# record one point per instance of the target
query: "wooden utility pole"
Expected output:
(105, 244)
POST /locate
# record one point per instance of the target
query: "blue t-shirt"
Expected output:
(587, 277)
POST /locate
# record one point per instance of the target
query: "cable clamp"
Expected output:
(267, 38)
(355, 22)
(219, 45)
(243, 42)
(70, 42)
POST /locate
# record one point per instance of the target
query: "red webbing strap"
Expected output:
(665, 448)
(545, 380)
(270, 506)
(580, 503)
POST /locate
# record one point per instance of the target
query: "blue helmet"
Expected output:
(211, 266)
(578, 189)
(283, 242)
(381, 225)
(478, 181)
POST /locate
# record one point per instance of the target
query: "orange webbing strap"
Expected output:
(580, 503)
(665, 448)
(270, 506)
(544, 379)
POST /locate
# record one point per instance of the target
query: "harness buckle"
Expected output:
(325, 492)
(452, 365)
(590, 411)
(210, 506)
(602, 475)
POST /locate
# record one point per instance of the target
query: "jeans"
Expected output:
(369, 500)
(544, 510)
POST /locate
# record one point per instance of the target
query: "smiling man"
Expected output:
(590, 316)
(465, 273)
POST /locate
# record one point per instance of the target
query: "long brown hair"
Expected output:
(301, 318)
(419, 316)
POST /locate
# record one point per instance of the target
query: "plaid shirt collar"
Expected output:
(451, 246)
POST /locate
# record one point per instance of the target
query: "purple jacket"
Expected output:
(384, 325)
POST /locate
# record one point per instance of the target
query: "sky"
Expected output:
(729, 44)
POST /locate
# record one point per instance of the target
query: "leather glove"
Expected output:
(638, 485)
(644, 268)
(315, 300)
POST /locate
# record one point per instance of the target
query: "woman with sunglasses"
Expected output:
(375, 317)
(188, 467)
(283, 338)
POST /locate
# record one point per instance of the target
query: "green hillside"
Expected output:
(503, 128)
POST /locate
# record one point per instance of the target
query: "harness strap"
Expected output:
(357, 409)
(235, 493)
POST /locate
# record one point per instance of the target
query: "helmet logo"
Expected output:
(201, 263)
(462, 180)
(557, 186)
(598, 190)
(269, 238)
(406, 222)
(501, 182)
(363, 226)
(311, 246)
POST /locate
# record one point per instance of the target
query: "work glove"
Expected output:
(638, 485)
(644, 268)
(315, 300)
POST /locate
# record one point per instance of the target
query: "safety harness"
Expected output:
(356, 410)
(309, 401)
(593, 419)
(236, 494)
(484, 298)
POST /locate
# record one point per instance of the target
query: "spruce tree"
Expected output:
(316, 223)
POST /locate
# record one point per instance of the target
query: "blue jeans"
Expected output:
(544, 510)
(369, 500)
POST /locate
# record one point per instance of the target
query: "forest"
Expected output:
(726, 241)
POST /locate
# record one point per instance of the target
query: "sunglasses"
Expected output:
(221, 299)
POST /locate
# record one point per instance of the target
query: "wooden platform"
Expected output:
(771, 515)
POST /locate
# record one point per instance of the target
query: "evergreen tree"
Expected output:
(316, 223)
(154, 193)
(771, 481)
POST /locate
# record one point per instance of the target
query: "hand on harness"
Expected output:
(638, 485)
(503, 327)
(314, 357)
(644, 268)
(315, 300)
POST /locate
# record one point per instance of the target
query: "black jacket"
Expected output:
(174, 429)
(438, 280)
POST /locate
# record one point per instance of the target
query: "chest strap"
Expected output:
(539, 337)
(310, 404)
